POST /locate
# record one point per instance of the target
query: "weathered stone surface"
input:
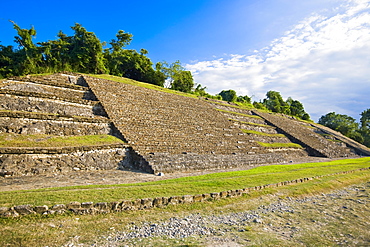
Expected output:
(24, 209)
(73, 205)
(41, 209)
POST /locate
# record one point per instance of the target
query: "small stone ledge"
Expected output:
(142, 204)
(47, 96)
(39, 80)
(49, 116)
(57, 150)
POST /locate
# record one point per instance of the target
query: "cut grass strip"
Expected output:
(209, 183)
(280, 145)
(261, 133)
(16, 140)
(250, 123)
(142, 84)
(242, 107)
(240, 114)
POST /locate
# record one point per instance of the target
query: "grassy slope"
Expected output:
(215, 182)
(142, 84)
(14, 140)
(58, 230)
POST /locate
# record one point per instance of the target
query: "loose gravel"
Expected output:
(284, 218)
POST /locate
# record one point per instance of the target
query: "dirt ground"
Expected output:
(105, 177)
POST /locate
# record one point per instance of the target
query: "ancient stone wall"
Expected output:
(34, 161)
(55, 105)
(84, 208)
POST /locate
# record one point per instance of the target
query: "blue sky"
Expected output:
(312, 50)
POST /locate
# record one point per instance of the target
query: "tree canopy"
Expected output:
(348, 126)
(228, 95)
(84, 52)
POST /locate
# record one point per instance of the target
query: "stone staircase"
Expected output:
(173, 132)
(42, 107)
(315, 144)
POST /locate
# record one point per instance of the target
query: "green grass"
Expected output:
(250, 123)
(238, 106)
(280, 145)
(261, 133)
(16, 140)
(142, 84)
(215, 182)
(240, 114)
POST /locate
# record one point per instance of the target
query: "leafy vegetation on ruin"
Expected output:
(42, 140)
(280, 145)
(261, 133)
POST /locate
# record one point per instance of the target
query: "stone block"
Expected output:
(24, 209)
(158, 202)
(58, 207)
(41, 209)
(174, 200)
(73, 205)
(198, 198)
(101, 206)
(126, 205)
(215, 195)
(206, 196)
(115, 206)
(87, 205)
(223, 194)
(187, 199)
(146, 203)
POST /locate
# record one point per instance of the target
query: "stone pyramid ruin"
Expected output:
(154, 131)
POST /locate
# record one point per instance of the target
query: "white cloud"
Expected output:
(323, 61)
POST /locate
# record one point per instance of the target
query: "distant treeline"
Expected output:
(348, 126)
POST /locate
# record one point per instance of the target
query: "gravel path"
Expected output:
(291, 220)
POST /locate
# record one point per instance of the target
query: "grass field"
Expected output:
(58, 230)
(209, 183)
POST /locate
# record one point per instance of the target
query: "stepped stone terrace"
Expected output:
(155, 131)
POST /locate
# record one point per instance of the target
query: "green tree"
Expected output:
(244, 99)
(365, 126)
(28, 58)
(201, 91)
(342, 123)
(228, 95)
(183, 81)
(7, 61)
(296, 109)
(274, 102)
(365, 119)
(86, 51)
(56, 53)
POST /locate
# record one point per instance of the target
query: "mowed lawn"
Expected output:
(215, 182)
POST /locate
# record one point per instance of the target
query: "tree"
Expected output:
(7, 61)
(201, 91)
(244, 99)
(228, 95)
(365, 126)
(28, 58)
(342, 123)
(274, 102)
(183, 81)
(86, 51)
(365, 119)
(296, 109)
